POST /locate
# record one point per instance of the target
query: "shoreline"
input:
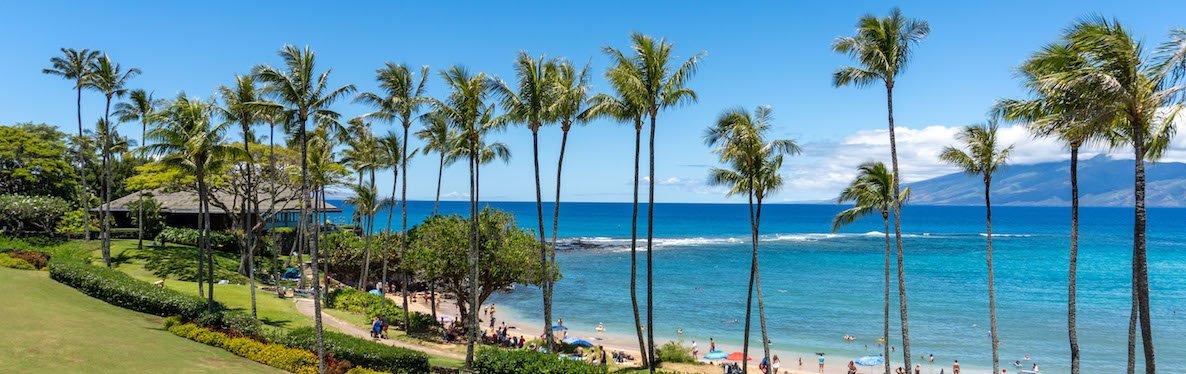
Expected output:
(616, 341)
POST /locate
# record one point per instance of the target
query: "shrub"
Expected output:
(122, 290)
(32, 212)
(14, 263)
(37, 259)
(48, 248)
(72, 223)
(274, 355)
(361, 351)
(675, 352)
(500, 361)
(371, 305)
(188, 236)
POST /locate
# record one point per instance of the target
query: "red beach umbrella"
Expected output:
(736, 356)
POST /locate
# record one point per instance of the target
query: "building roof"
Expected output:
(187, 202)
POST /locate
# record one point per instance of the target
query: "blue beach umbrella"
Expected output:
(715, 355)
(870, 361)
(578, 341)
(559, 327)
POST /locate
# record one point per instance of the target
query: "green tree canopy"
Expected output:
(33, 161)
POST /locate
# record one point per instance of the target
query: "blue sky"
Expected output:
(758, 53)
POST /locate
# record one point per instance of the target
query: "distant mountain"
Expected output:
(1102, 182)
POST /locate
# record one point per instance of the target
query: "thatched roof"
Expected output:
(187, 202)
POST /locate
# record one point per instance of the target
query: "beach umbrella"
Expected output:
(870, 361)
(715, 355)
(736, 356)
(578, 341)
(559, 327)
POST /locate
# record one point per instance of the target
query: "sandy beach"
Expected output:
(619, 341)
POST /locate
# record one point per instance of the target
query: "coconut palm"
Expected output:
(1137, 94)
(872, 192)
(982, 154)
(400, 99)
(740, 139)
(305, 94)
(571, 92)
(658, 85)
(366, 204)
(529, 104)
(140, 107)
(1061, 115)
(187, 138)
(75, 65)
(626, 107)
(362, 154)
(239, 107)
(882, 47)
(109, 78)
(437, 137)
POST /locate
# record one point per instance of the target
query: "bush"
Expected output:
(361, 351)
(188, 236)
(37, 259)
(48, 248)
(73, 221)
(675, 352)
(371, 305)
(500, 361)
(23, 213)
(15, 263)
(230, 320)
(274, 355)
(122, 290)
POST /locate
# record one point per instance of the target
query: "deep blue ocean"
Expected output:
(820, 286)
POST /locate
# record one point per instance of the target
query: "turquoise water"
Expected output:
(820, 286)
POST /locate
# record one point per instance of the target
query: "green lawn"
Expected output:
(50, 327)
(272, 310)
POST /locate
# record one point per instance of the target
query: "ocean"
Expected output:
(820, 286)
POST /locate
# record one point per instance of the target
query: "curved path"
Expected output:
(305, 306)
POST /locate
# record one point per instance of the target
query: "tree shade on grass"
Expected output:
(53, 328)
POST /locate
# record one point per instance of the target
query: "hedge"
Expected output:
(502, 361)
(122, 290)
(271, 354)
(371, 305)
(360, 352)
(188, 236)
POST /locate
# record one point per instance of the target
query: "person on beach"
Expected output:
(600, 328)
(695, 351)
(775, 364)
(917, 369)
(955, 367)
(899, 371)
(931, 358)
(800, 362)
(712, 346)
(852, 368)
(821, 363)
(376, 327)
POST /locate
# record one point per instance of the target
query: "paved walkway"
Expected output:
(305, 306)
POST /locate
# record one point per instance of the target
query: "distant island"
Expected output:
(1102, 182)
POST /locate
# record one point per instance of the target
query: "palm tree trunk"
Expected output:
(543, 248)
(84, 200)
(140, 212)
(642, 345)
(390, 212)
(209, 251)
(886, 332)
(1139, 257)
(992, 299)
(201, 248)
(107, 183)
(472, 314)
(650, 250)
(440, 174)
(1132, 333)
(370, 225)
(889, 94)
(249, 224)
(555, 225)
(1072, 333)
(749, 296)
(403, 208)
(306, 217)
(276, 242)
(758, 286)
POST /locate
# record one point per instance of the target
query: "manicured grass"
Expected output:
(271, 310)
(49, 327)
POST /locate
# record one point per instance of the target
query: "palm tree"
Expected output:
(187, 138)
(240, 107)
(363, 155)
(740, 138)
(1136, 94)
(872, 192)
(1059, 114)
(467, 111)
(571, 92)
(657, 85)
(139, 107)
(437, 137)
(75, 65)
(882, 47)
(305, 94)
(401, 98)
(627, 106)
(982, 155)
(366, 204)
(528, 104)
(109, 78)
